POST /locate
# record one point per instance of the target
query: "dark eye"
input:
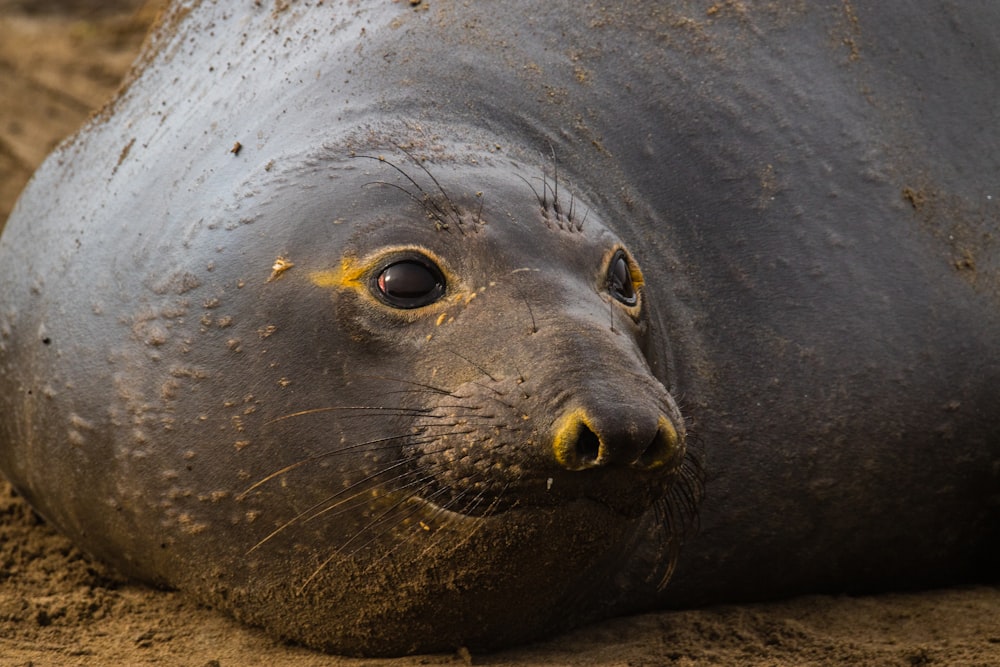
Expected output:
(410, 283)
(620, 280)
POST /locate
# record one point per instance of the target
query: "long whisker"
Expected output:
(677, 513)
(420, 200)
(436, 538)
(479, 213)
(340, 549)
(394, 166)
(367, 444)
(480, 524)
(555, 179)
(338, 508)
(545, 190)
(423, 167)
(527, 304)
(474, 365)
(541, 201)
(416, 508)
(391, 412)
(311, 512)
(438, 511)
(426, 202)
(422, 385)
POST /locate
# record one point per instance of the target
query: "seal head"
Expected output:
(496, 420)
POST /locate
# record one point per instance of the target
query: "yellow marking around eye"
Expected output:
(349, 274)
(637, 279)
(353, 271)
(634, 273)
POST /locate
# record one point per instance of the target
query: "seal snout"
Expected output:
(585, 440)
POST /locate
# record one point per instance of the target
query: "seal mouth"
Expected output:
(619, 492)
(444, 515)
(434, 515)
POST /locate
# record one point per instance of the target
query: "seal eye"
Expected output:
(410, 283)
(620, 280)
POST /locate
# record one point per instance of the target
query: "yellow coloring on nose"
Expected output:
(566, 433)
(667, 450)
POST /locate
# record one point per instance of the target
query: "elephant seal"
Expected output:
(396, 327)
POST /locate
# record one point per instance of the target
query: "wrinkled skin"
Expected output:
(205, 381)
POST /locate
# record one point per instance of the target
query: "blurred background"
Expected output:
(59, 61)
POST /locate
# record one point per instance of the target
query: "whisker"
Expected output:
(311, 512)
(677, 513)
(367, 444)
(407, 515)
(339, 550)
(447, 507)
(420, 200)
(339, 505)
(527, 304)
(422, 385)
(391, 412)
(426, 202)
(441, 509)
(555, 179)
(423, 167)
(448, 521)
(611, 304)
(434, 538)
(430, 207)
(538, 198)
(471, 411)
(394, 166)
(545, 190)
(474, 365)
(664, 517)
(478, 525)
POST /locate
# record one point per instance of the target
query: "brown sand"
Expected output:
(59, 59)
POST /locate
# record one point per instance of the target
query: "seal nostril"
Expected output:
(655, 452)
(576, 444)
(588, 446)
(661, 449)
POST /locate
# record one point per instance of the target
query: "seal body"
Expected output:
(396, 328)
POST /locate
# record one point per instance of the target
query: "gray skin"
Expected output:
(202, 384)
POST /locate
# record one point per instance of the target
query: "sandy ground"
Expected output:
(60, 59)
